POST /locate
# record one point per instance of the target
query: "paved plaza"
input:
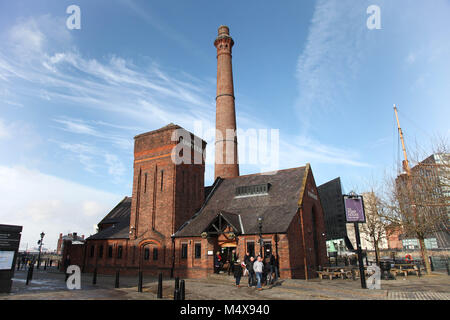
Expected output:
(50, 285)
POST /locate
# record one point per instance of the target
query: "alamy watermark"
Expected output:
(74, 20)
(260, 147)
(74, 279)
(374, 20)
(374, 281)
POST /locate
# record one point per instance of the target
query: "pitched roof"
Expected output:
(119, 217)
(277, 207)
(116, 231)
(120, 212)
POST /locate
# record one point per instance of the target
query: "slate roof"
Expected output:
(277, 208)
(119, 217)
(117, 231)
(119, 213)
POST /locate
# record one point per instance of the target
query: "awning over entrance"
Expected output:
(225, 223)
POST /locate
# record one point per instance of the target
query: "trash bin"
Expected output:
(385, 267)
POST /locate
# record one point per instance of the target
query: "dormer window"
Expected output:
(254, 190)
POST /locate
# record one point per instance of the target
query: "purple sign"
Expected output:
(354, 210)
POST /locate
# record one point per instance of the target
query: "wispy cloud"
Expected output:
(143, 98)
(330, 57)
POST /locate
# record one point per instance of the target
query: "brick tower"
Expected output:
(226, 153)
(165, 194)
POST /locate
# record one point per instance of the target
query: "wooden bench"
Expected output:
(405, 270)
(329, 274)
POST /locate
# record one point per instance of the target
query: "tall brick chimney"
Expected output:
(226, 157)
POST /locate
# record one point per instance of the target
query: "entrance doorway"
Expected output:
(226, 252)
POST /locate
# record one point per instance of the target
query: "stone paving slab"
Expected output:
(50, 285)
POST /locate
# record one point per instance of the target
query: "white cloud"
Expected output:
(40, 202)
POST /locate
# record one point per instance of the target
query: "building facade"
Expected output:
(173, 224)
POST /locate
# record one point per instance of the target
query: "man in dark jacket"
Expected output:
(251, 272)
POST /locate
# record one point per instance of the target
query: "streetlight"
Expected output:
(40, 247)
(260, 222)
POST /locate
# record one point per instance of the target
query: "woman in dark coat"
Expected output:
(238, 271)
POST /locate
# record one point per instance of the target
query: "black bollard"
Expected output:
(30, 274)
(18, 265)
(431, 264)
(176, 293)
(117, 278)
(448, 270)
(45, 265)
(94, 277)
(182, 291)
(160, 287)
(140, 282)
(418, 270)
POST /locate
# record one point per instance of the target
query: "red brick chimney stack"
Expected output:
(226, 153)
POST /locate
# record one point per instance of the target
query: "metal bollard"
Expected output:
(431, 264)
(140, 282)
(94, 278)
(176, 293)
(117, 279)
(45, 265)
(30, 274)
(160, 287)
(182, 291)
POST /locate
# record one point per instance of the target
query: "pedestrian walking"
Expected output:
(251, 272)
(238, 271)
(258, 267)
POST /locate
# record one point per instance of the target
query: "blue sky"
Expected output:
(72, 100)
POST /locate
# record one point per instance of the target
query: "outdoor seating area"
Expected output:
(347, 272)
(352, 272)
(405, 269)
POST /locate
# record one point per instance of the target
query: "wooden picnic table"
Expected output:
(405, 268)
(338, 272)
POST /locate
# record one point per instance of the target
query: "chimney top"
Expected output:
(224, 31)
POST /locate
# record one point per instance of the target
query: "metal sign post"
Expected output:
(354, 213)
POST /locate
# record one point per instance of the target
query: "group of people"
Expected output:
(260, 271)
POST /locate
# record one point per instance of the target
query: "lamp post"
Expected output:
(260, 222)
(40, 248)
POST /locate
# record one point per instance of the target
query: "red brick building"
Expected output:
(173, 224)
(68, 237)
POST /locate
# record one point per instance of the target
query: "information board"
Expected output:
(6, 260)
